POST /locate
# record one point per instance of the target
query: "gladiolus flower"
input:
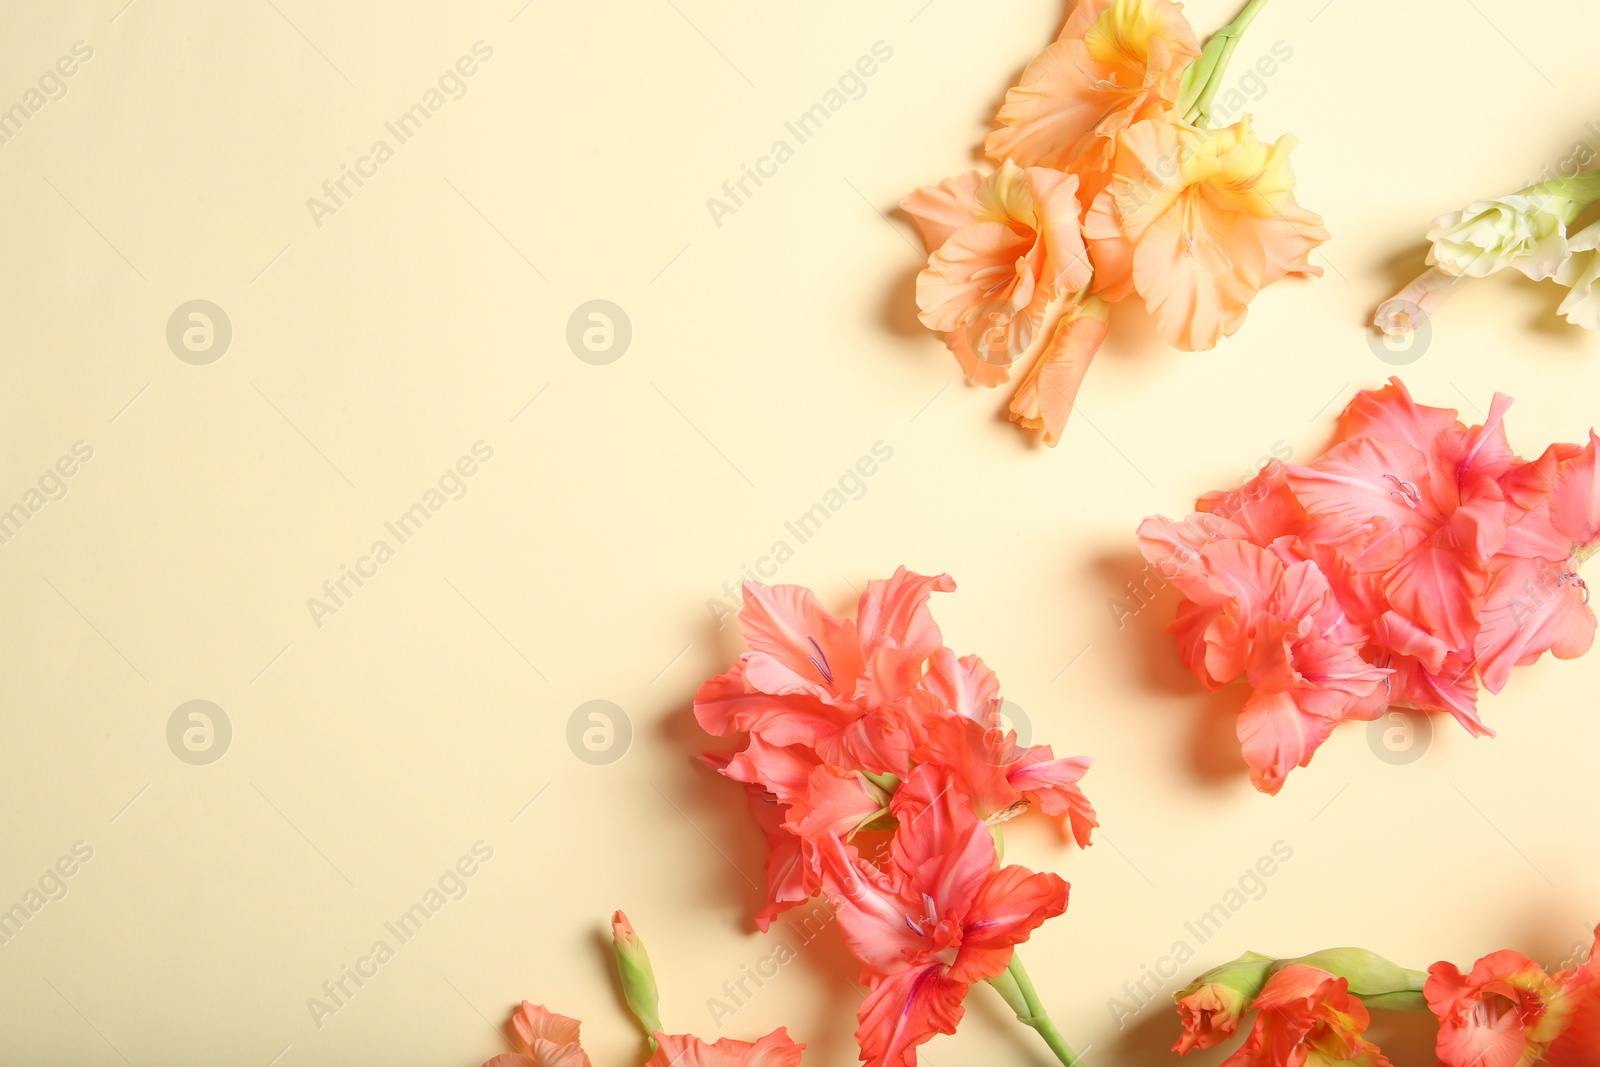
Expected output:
(1213, 1005)
(1308, 1018)
(1001, 247)
(868, 736)
(837, 686)
(1579, 1044)
(1581, 275)
(941, 916)
(1197, 222)
(1044, 399)
(548, 1040)
(995, 773)
(1115, 63)
(1249, 613)
(1505, 1013)
(1526, 233)
(680, 1050)
(1415, 560)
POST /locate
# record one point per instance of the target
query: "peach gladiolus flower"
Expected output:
(1115, 63)
(1197, 222)
(548, 1040)
(1308, 1018)
(777, 1049)
(1002, 248)
(1044, 399)
(1505, 1013)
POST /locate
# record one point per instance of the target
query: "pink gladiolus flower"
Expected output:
(1415, 560)
(1002, 248)
(1505, 1013)
(941, 916)
(1308, 1018)
(680, 1050)
(548, 1040)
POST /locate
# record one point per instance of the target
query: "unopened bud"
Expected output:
(638, 980)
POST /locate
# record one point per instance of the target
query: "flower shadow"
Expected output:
(718, 809)
(1145, 604)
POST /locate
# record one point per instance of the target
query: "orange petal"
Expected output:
(1044, 399)
(976, 266)
(1198, 268)
(941, 210)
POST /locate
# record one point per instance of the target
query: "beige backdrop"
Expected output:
(405, 342)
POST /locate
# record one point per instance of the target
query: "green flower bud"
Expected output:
(638, 980)
(1379, 983)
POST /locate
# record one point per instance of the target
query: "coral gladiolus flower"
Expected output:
(833, 685)
(681, 1050)
(1249, 613)
(1197, 222)
(1308, 1018)
(1210, 1015)
(1439, 560)
(548, 1039)
(1212, 1007)
(1579, 1044)
(1503, 1014)
(1001, 248)
(1044, 399)
(942, 916)
(995, 773)
(1115, 63)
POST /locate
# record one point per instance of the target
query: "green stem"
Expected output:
(1567, 197)
(1409, 1000)
(1205, 77)
(1017, 989)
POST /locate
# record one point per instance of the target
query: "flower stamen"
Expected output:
(820, 661)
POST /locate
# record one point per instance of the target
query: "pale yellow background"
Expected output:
(768, 354)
